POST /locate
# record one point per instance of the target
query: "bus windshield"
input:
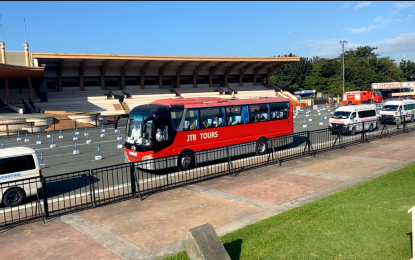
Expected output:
(390, 107)
(134, 127)
(341, 115)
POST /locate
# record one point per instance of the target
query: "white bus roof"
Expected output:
(356, 108)
(8, 152)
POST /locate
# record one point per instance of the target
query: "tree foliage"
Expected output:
(362, 67)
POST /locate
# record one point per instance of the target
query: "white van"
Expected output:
(16, 164)
(350, 119)
(392, 109)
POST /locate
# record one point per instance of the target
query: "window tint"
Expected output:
(17, 164)
(176, 118)
(212, 117)
(367, 113)
(412, 106)
(162, 131)
(407, 107)
(236, 115)
(259, 113)
(191, 120)
(279, 110)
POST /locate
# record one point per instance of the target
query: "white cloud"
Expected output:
(403, 43)
(378, 19)
(404, 5)
(364, 29)
(362, 5)
(346, 5)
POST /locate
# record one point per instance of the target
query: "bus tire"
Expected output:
(261, 146)
(13, 197)
(186, 160)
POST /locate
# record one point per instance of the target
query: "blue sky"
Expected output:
(211, 28)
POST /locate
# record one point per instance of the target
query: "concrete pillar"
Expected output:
(29, 85)
(26, 54)
(3, 52)
(81, 82)
(6, 83)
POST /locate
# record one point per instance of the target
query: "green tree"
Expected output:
(408, 70)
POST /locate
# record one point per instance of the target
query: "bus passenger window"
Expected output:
(279, 110)
(191, 120)
(212, 117)
(176, 118)
(259, 113)
(162, 133)
(237, 115)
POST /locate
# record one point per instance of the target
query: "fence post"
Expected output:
(308, 143)
(133, 179)
(45, 197)
(7, 129)
(96, 120)
(31, 126)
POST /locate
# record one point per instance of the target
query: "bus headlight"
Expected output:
(147, 157)
(133, 147)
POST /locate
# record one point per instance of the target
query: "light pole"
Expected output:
(342, 43)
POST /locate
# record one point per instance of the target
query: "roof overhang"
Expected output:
(12, 71)
(43, 55)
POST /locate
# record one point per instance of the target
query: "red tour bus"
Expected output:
(182, 127)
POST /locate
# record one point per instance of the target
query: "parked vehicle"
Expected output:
(352, 119)
(18, 164)
(361, 97)
(393, 109)
(183, 127)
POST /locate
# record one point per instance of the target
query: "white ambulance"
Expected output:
(352, 119)
(393, 109)
(17, 164)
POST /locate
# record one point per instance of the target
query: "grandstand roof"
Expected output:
(45, 55)
(161, 63)
(13, 71)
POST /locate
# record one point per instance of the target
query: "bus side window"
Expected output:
(162, 132)
(236, 115)
(259, 113)
(191, 120)
(412, 106)
(212, 117)
(279, 110)
(176, 118)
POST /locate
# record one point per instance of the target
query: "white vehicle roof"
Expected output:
(353, 108)
(400, 102)
(9, 152)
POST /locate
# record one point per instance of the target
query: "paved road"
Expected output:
(62, 160)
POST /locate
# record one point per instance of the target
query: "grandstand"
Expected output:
(61, 82)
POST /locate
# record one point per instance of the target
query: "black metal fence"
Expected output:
(51, 196)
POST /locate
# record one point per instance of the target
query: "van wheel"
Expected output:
(186, 161)
(412, 118)
(13, 197)
(261, 146)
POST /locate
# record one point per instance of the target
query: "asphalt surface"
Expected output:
(61, 159)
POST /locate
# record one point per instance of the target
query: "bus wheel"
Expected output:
(261, 147)
(186, 161)
(13, 197)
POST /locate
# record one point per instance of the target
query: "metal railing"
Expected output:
(51, 196)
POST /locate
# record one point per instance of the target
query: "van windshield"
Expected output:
(341, 115)
(390, 107)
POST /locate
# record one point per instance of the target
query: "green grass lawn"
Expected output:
(367, 221)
